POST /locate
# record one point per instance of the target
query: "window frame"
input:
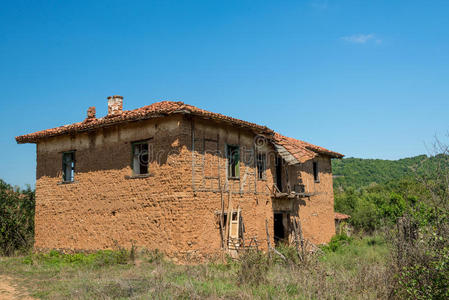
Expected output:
(263, 165)
(236, 167)
(65, 166)
(133, 154)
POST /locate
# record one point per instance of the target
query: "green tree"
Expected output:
(16, 218)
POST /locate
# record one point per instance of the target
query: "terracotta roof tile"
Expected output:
(157, 109)
(340, 216)
(302, 151)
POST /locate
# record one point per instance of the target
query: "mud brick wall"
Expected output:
(103, 207)
(317, 212)
(174, 209)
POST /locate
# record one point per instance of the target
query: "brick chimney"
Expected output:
(91, 112)
(115, 105)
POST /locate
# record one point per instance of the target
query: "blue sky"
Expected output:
(365, 78)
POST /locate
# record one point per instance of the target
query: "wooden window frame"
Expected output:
(72, 168)
(133, 158)
(229, 167)
(261, 164)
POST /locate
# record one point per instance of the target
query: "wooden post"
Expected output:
(295, 228)
(301, 236)
(228, 221)
(238, 225)
(221, 216)
(268, 238)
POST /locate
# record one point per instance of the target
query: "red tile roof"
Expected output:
(154, 110)
(340, 216)
(299, 149)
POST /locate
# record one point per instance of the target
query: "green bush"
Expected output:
(378, 206)
(16, 219)
(422, 258)
(337, 242)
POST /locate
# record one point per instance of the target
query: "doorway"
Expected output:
(279, 232)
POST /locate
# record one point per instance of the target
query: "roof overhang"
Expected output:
(286, 156)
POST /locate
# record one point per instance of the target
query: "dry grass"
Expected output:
(355, 271)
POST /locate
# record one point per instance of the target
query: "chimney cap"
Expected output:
(115, 96)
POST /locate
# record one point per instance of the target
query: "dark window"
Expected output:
(140, 158)
(316, 175)
(68, 166)
(279, 173)
(233, 156)
(261, 165)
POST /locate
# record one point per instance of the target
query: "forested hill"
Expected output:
(358, 172)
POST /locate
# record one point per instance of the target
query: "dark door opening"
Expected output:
(279, 173)
(279, 233)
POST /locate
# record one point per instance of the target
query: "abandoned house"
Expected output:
(174, 177)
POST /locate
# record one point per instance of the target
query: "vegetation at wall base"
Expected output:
(55, 275)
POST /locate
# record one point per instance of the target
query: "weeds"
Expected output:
(337, 242)
(253, 268)
(154, 256)
(58, 259)
(355, 269)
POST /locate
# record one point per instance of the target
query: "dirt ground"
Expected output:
(10, 291)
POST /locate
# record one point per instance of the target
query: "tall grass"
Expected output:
(357, 269)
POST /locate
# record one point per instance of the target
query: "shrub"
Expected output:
(374, 240)
(337, 242)
(289, 252)
(421, 259)
(253, 268)
(421, 244)
(16, 219)
(154, 256)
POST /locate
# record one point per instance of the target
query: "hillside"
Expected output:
(358, 172)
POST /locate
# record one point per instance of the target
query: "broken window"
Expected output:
(316, 176)
(261, 165)
(140, 158)
(68, 166)
(233, 228)
(233, 157)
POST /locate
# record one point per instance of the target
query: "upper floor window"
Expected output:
(233, 158)
(68, 166)
(261, 165)
(140, 158)
(316, 175)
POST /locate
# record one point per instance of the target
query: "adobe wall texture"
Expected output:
(317, 213)
(175, 208)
